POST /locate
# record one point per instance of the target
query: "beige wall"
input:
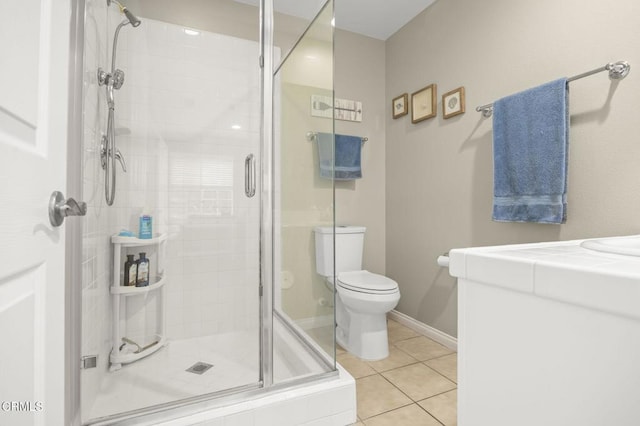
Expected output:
(439, 172)
(360, 75)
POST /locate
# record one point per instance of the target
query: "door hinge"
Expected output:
(90, 361)
(261, 61)
(260, 291)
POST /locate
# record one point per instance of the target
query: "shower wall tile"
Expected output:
(186, 165)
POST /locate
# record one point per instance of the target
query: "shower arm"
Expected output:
(115, 45)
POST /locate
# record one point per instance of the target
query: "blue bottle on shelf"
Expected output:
(146, 227)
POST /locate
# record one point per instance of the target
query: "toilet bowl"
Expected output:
(363, 298)
(363, 301)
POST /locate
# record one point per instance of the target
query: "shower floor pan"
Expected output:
(165, 377)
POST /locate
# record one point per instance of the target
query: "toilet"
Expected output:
(363, 298)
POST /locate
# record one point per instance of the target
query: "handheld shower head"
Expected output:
(133, 20)
(131, 17)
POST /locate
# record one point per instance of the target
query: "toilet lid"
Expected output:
(366, 282)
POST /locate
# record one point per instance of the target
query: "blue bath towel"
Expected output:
(347, 156)
(530, 147)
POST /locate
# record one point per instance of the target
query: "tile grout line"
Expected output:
(398, 408)
(440, 374)
(396, 368)
(392, 384)
(438, 394)
(395, 387)
(389, 411)
(441, 356)
(429, 413)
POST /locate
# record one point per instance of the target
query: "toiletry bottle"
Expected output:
(143, 271)
(146, 227)
(130, 271)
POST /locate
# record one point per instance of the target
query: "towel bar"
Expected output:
(617, 71)
(311, 136)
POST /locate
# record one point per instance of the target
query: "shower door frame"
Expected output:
(74, 229)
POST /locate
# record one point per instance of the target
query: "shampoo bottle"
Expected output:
(130, 271)
(143, 271)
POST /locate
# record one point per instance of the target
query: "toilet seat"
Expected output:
(367, 282)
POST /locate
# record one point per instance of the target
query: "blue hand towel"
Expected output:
(347, 156)
(530, 147)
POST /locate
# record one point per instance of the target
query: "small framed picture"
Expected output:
(453, 103)
(423, 104)
(400, 105)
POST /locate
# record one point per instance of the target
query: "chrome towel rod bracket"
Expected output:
(311, 136)
(617, 71)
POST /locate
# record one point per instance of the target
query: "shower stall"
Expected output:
(212, 125)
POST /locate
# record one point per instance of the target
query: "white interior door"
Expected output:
(34, 62)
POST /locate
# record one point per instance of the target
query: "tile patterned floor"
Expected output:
(415, 385)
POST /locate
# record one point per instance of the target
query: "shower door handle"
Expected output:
(250, 176)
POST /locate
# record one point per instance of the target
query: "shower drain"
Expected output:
(199, 368)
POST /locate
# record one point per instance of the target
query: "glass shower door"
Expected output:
(187, 121)
(303, 111)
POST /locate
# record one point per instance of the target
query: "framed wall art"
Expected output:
(423, 104)
(400, 105)
(453, 103)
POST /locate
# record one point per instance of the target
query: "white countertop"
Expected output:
(562, 271)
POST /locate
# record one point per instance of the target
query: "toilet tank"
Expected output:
(349, 247)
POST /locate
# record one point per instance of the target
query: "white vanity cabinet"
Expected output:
(548, 334)
(121, 294)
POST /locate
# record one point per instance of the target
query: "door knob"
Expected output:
(59, 208)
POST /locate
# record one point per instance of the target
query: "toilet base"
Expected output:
(366, 337)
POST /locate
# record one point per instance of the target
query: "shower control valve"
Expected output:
(103, 77)
(116, 80)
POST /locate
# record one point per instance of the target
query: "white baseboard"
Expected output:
(424, 329)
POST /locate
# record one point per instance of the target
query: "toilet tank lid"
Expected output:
(340, 229)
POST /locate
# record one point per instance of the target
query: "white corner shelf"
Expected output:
(133, 290)
(138, 242)
(120, 293)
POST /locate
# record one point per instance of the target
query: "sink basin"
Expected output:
(628, 246)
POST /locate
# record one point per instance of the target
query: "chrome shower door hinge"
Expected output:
(89, 361)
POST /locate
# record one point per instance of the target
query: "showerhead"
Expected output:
(133, 20)
(131, 17)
